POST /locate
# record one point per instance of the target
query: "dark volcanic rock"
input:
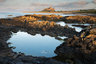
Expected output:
(40, 27)
(82, 26)
(7, 56)
(29, 60)
(82, 48)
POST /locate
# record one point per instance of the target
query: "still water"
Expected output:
(78, 29)
(38, 45)
(10, 14)
(34, 45)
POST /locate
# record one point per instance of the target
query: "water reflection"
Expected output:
(78, 29)
(35, 45)
(7, 14)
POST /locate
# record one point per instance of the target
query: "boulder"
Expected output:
(82, 48)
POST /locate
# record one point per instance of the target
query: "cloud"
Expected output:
(39, 4)
(2, 0)
(94, 1)
(72, 4)
(81, 4)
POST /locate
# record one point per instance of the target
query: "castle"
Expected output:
(50, 9)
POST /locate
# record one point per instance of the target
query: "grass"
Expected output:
(87, 11)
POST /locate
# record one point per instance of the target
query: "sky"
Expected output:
(37, 5)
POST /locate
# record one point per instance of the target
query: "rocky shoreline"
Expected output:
(80, 19)
(78, 48)
(7, 56)
(55, 18)
(43, 27)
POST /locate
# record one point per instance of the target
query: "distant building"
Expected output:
(50, 9)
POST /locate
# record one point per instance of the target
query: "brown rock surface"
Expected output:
(82, 48)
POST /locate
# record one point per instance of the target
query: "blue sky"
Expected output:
(35, 5)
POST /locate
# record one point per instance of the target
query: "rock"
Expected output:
(80, 19)
(50, 9)
(81, 48)
(82, 26)
(29, 60)
(7, 56)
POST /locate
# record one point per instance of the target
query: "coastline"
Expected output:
(66, 12)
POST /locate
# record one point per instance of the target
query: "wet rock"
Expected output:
(39, 60)
(82, 48)
(51, 17)
(45, 27)
(82, 26)
(7, 56)
(29, 60)
(80, 19)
